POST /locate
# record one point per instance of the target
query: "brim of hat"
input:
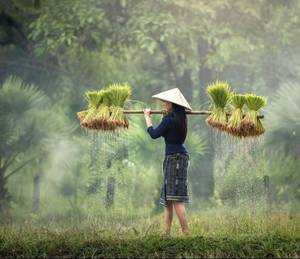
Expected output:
(172, 101)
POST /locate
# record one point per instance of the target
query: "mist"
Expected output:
(59, 176)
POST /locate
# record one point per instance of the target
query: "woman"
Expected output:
(173, 128)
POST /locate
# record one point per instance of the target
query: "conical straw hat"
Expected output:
(174, 96)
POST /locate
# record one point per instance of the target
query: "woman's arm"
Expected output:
(160, 130)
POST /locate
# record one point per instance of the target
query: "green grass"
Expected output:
(212, 235)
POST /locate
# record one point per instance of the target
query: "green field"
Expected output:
(213, 234)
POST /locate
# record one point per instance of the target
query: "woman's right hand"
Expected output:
(147, 116)
(147, 112)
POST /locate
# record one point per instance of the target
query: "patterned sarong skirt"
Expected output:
(175, 182)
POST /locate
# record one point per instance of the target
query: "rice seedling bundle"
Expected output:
(234, 125)
(118, 94)
(105, 110)
(251, 124)
(87, 117)
(219, 93)
(81, 115)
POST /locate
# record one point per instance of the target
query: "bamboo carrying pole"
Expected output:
(187, 112)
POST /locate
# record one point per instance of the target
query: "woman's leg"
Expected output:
(181, 213)
(168, 216)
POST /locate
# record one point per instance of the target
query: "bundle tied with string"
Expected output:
(219, 93)
(87, 117)
(251, 124)
(103, 113)
(106, 109)
(234, 126)
(117, 95)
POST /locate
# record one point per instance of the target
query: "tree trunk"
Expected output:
(267, 193)
(205, 74)
(110, 193)
(94, 151)
(205, 77)
(169, 63)
(36, 193)
(186, 85)
(3, 192)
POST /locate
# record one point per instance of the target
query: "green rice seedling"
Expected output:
(118, 94)
(103, 112)
(251, 124)
(219, 93)
(81, 115)
(94, 99)
(234, 126)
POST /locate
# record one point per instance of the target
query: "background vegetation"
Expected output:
(52, 51)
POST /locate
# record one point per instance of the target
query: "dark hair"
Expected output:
(179, 118)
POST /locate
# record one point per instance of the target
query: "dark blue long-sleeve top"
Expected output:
(174, 137)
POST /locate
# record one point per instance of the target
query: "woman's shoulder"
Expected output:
(167, 119)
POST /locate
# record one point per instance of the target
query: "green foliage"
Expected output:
(282, 118)
(285, 186)
(19, 118)
(12, 101)
(27, 128)
(75, 23)
(150, 29)
(197, 145)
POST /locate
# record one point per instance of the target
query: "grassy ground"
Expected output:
(212, 235)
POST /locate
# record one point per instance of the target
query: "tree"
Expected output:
(26, 124)
(283, 119)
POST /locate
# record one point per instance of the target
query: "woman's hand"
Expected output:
(147, 116)
(147, 112)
